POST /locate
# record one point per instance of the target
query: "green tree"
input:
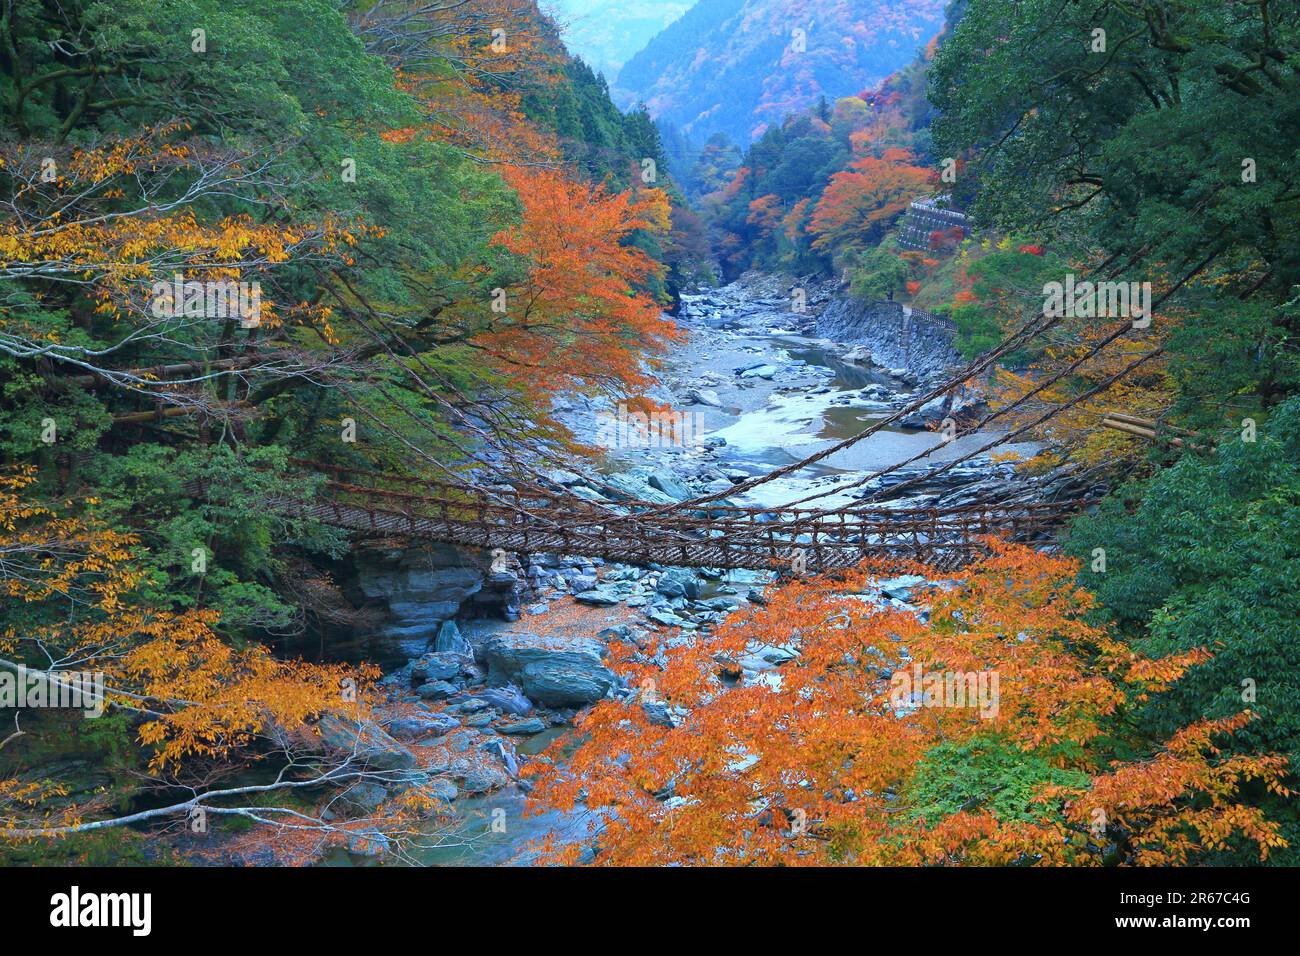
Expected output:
(1206, 554)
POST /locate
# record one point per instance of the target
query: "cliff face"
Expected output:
(896, 337)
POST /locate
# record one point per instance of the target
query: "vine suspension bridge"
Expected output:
(525, 516)
(534, 519)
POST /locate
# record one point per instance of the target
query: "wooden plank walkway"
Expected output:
(536, 520)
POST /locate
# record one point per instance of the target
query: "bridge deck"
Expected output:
(541, 521)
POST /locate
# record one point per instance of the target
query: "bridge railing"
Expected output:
(539, 520)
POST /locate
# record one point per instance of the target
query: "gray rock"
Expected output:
(436, 690)
(670, 484)
(470, 705)
(627, 487)
(508, 699)
(462, 741)
(442, 788)
(527, 727)
(451, 641)
(619, 632)
(678, 582)
(370, 843)
(583, 582)
(367, 741)
(657, 712)
(436, 760)
(557, 684)
(411, 582)
(604, 595)
(933, 411)
(362, 798)
(665, 617)
(704, 396)
(483, 778)
(437, 666)
(778, 654)
(412, 639)
(428, 614)
(508, 653)
(422, 725)
(554, 671)
(422, 587)
(901, 588)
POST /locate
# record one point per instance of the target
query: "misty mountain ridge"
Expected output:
(738, 66)
(606, 33)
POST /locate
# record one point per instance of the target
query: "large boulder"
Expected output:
(606, 595)
(667, 482)
(361, 799)
(626, 486)
(415, 726)
(931, 413)
(451, 641)
(508, 699)
(582, 582)
(367, 741)
(437, 666)
(554, 671)
(678, 582)
(482, 778)
(525, 727)
(436, 690)
(704, 396)
(556, 684)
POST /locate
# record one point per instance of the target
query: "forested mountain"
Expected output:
(387, 192)
(821, 186)
(445, 243)
(607, 33)
(739, 66)
(1145, 145)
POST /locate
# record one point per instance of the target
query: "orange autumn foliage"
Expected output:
(1073, 433)
(471, 79)
(70, 233)
(795, 220)
(861, 201)
(820, 762)
(766, 213)
(579, 318)
(194, 696)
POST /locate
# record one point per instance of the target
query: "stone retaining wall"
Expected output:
(918, 342)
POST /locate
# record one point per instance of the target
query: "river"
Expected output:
(766, 395)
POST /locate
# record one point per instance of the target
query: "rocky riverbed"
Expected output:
(494, 655)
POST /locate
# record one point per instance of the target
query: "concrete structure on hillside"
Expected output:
(926, 215)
